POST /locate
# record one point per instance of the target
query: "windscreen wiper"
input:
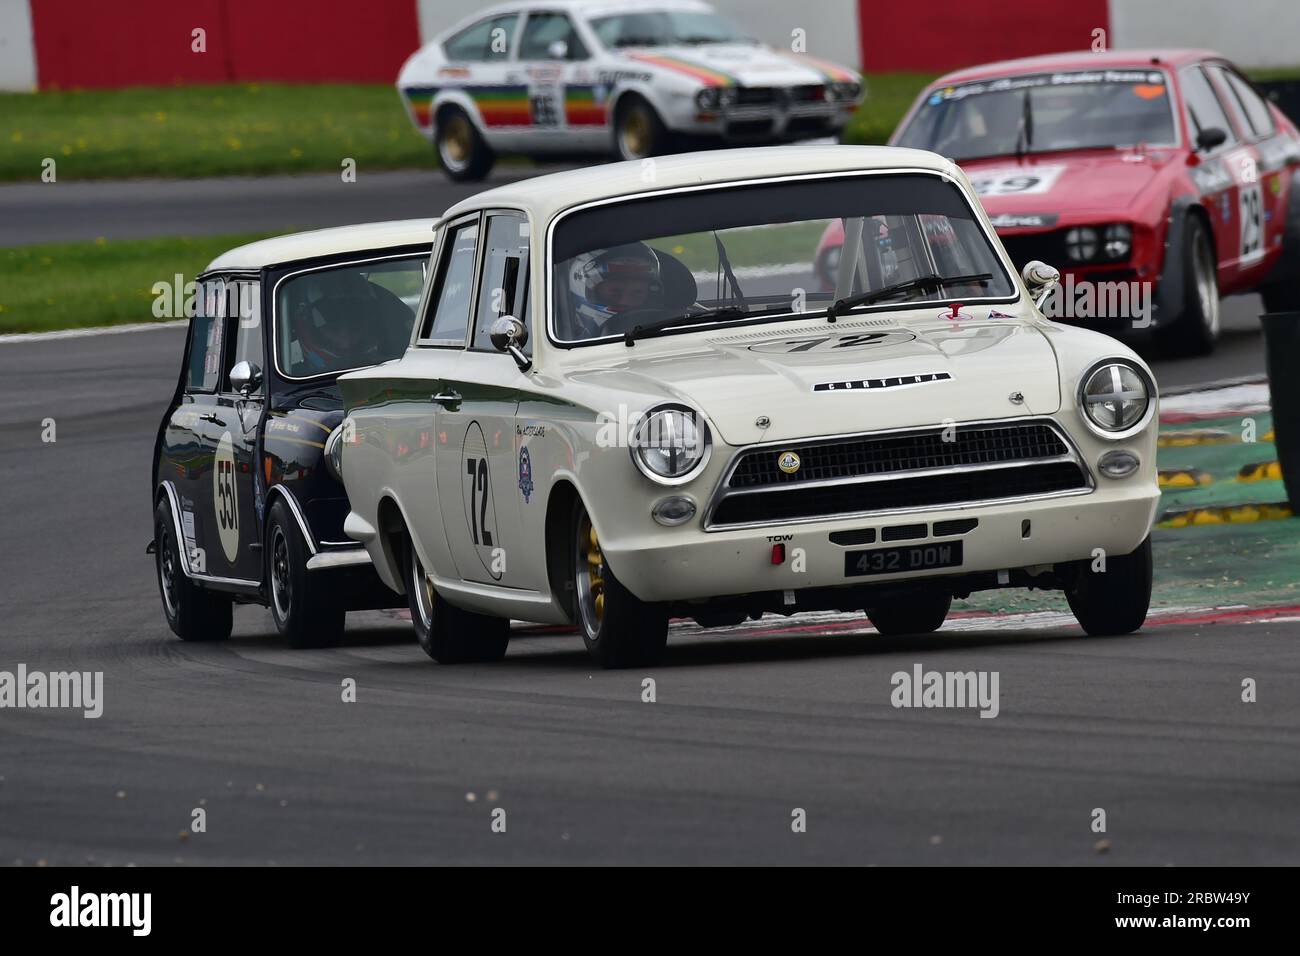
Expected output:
(931, 281)
(690, 318)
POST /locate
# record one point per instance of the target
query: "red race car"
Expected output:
(1161, 171)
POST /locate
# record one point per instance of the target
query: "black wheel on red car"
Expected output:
(1196, 330)
(619, 629)
(1114, 600)
(193, 612)
(464, 154)
(306, 613)
(448, 634)
(918, 614)
(638, 131)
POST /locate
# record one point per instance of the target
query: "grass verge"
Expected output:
(81, 284)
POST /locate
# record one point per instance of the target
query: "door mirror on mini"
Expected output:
(245, 378)
(558, 50)
(1210, 138)
(1040, 279)
(510, 335)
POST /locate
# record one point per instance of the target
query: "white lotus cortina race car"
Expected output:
(590, 76)
(624, 401)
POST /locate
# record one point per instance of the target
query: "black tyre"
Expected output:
(193, 612)
(464, 154)
(619, 629)
(921, 614)
(1114, 601)
(638, 131)
(306, 613)
(1196, 330)
(447, 633)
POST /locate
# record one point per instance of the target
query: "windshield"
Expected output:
(759, 252)
(330, 320)
(1044, 112)
(665, 28)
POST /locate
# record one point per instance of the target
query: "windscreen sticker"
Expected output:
(1146, 79)
(1031, 220)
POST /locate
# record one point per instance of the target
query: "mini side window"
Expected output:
(449, 308)
(204, 360)
(484, 41)
(244, 311)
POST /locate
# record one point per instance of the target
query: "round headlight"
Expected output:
(707, 98)
(1118, 240)
(1115, 397)
(669, 444)
(334, 453)
(1081, 244)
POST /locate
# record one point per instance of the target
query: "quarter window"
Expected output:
(503, 289)
(1248, 102)
(244, 307)
(449, 316)
(486, 40)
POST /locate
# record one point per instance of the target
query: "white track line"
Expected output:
(87, 333)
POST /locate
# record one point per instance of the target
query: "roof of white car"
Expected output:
(362, 237)
(590, 7)
(544, 196)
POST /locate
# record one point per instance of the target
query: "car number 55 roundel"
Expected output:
(224, 499)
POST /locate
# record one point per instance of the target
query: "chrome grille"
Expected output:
(899, 471)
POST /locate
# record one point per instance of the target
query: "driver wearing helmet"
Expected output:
(606, 282)
(329, 324)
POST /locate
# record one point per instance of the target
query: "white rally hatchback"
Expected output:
(625, 400)
(573, 77)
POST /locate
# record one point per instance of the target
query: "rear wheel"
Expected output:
(193, 613)
(306, 613)
(1196, 330)
(465, 155)
(920, 614)
(619, 629)
(447, 633)
(1114, 600)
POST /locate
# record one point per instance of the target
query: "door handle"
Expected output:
(449, 397)
(209, 417)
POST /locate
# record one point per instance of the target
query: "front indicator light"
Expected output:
(1118, 464)
(671, 512)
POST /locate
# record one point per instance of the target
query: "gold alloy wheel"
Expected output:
(635, 134)
(589, 576)
(456, 139)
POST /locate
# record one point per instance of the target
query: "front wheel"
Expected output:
(638, 131)
(920, 614)
(1196, 331)
(306, 613)
(193, 613)
(1113, 598)
(447, 633)
(619, 629)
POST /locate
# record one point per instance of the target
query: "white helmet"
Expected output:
(588, 270)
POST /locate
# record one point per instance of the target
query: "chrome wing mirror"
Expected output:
(245, 378)
(510, 335)
(1040, 279)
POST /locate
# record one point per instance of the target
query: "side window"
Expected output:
(486, 40)
(244, 307)
(449, 310)
(503, 287)
(1204, 111)
(1249, 102)
(204, 360)
(545, 29)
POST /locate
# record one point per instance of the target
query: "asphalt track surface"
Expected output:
(747, 725)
